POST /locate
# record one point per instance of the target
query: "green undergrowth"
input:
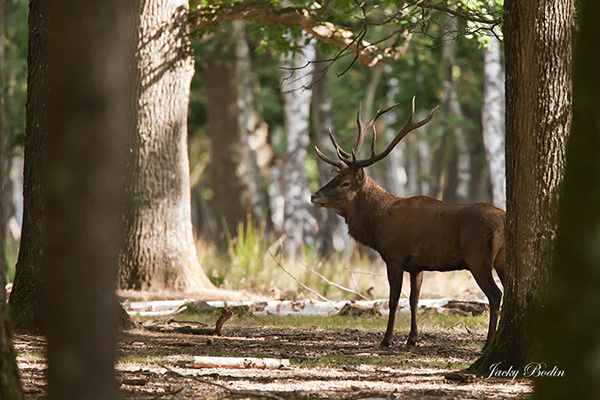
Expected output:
(428, 322)
(254, 260)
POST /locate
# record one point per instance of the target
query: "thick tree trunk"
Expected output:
(300, 225)
(492, 120)
(159, 251)
(10, 384)
(88, 118)
(25, 301)
(538, 119)
(571, 329)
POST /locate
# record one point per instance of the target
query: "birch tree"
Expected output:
(492, 119)
(300, 225)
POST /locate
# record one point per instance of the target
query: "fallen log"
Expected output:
(239, 362)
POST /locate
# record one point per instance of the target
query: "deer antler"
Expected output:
(350, 160)
(410, 125)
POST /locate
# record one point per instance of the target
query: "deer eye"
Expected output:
(345, 184)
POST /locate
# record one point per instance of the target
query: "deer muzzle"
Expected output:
(317, 199)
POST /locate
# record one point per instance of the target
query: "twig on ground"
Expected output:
(230, 390)
(224, 317)
(345, 289)
(296, 279)
(165, 318)
(179, 392)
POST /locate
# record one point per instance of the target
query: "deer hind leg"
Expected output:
(416, 278)
(394, 272)
(500, 265)
(482, 272)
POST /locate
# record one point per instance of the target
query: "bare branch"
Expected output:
(319, 295)
(345, 289)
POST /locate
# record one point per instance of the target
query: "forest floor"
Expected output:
(336, 357)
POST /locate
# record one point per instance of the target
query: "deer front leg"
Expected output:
(394, 272)
(416, 278)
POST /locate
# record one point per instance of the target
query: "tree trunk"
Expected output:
(88, 118)
(300, 225)
(538, 119)
(10, 384)
(458, 168)
(225, 141)
(25, 301)
(571, 329)
(240, 153)
(492, 118)
(159, 251)
(397, 179)
(323, 120)
(253, 130)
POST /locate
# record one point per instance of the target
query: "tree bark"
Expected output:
(253, 130)
(323, 120)
(159, 251)
(25, 299)
(225, 142)
(492, 118)
(457, 169)
(240, 153)
(10, 384)
(88, 118)
(538, 119)
(570, 331)
(299, 224)
(399, 159)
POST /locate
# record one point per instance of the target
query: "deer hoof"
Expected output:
(385, 343)
(411, 342)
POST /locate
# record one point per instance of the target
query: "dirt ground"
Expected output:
(325, 364)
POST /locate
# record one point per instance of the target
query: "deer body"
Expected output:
(436, 236)
(415, 234)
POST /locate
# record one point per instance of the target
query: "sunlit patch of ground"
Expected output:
(331, 357)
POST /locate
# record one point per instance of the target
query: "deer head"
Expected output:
(349, 178)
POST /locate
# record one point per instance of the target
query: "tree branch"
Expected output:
(367, 53)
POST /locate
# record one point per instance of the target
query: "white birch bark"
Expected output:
(299, 224)
(397, 173)
(492, 119)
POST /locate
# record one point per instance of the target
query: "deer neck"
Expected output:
(369, 208)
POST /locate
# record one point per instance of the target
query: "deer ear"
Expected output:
(360, 174)
(335, 172)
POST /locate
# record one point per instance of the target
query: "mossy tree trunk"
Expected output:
(570, 331)
(538, 120)
(25, 301)
(159, 251)
(10, 384)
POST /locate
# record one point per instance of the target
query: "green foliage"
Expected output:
(15, 70)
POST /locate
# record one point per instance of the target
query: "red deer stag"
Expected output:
(414, 234)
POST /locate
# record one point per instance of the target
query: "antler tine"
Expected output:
(373, 142)
(328, 160)
(371, 123)
(342, 154)
(410, 125)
